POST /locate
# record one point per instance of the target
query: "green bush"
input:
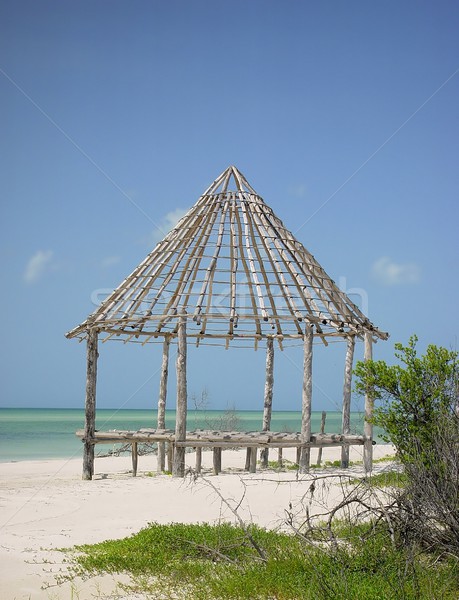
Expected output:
(218, 561)
(415, 397)
(419, 411)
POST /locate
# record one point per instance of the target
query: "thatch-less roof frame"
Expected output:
(230, 273)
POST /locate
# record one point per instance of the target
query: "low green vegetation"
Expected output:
(392, 479)
(287, 465)
(224, 561)
(335, 464)
(395, 479)
(284, 465)
(388, 458)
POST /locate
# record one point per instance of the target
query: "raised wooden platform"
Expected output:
(218, 440)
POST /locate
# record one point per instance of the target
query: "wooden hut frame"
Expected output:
(230, 274)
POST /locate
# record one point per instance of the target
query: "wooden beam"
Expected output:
(178, 467)
(253, 460)
(247, 273)
(322, 431)
(251, 261)
(90, 404)
(317, 441)
(305, 456)
(135, 458)
(210, 271)
(262, 259)
(242, 439)
(369, 402)
(347, 386)
(217, 460)
(198, 466)
(233, 269)
(161, 458)
(247, 459)
(170, 456)
(268, 399)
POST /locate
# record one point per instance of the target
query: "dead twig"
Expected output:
(240, 520)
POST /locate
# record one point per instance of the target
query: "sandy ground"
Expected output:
(46, 506)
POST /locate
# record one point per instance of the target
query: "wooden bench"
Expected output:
(218, 440)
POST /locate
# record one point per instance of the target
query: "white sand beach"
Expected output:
(46, 506)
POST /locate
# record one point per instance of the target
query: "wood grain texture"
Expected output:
(178, 467)
(347, 389)
(268, 397)
(305, 456)
(162, 403)
(90, 404)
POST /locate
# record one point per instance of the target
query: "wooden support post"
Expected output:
(347, 385)
(253, 459)
(369, 401)
(298, 456)
(322, 430)
(178, 467)
(198, 467)
(280, 462)
(161, 459)
(170, 456)
(248, 454)
(268, 401)
(217, 460)
(90, 404)
(135, 456)
(305, 456)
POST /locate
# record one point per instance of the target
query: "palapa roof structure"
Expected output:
(237, 273)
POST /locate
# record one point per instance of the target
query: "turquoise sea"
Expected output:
(41, 433)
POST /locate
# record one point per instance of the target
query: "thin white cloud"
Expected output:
(38, 265)
(299, 190)
(168, 222)
(109, 261)
(388, 272)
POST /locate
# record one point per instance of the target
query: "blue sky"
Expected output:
(115, 118)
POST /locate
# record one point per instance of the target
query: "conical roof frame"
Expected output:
(237, 273)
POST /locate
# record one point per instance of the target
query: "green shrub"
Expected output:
(419, 411)
(218, 561)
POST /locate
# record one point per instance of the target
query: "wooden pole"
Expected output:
(346, 422)
(298, 455)
(178, 467)
(135, 457)
(90, 404)
(268, 401)
(248, 454)
(369, 402)
(305, 456)
(253, 459)
(198, 467)
(161, 462)
(322, 430)
(217, 460)
(170, 456)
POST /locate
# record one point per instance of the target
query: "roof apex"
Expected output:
(222, 184)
